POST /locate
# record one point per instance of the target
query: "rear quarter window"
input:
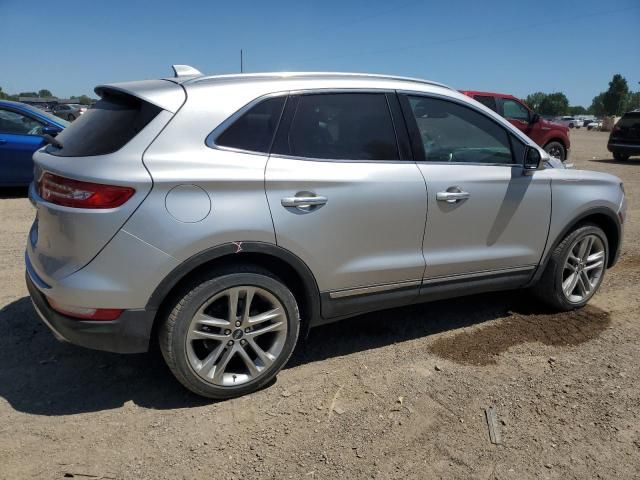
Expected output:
(105, 127)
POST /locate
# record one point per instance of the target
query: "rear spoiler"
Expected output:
(163, 93)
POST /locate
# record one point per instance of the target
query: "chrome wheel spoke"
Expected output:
(569, 285)
(266, 358)
(263, 317)
(222, 365)
(204, 319)
(250, 292)
(202, 335)
(267, 328)
(584, 264)
(208, 364)
(251, 366)
(233, 304)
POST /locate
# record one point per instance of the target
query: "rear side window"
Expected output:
(451, 132)
(106, 127)
(630, 120)
(487, 101)
(254, 130)
(342, 126)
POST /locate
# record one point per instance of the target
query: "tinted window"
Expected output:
(487, 101)
(451, 132)
(515, 110)
(106, 127)
(16, 123)
(630, 120)
(342, 126)
(254, 130)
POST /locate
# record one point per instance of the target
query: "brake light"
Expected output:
(78, 194)
(84, 313)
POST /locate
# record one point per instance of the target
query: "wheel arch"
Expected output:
(602, 217)
(556, 139)
(288, 267)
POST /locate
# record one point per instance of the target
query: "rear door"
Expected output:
(19, 138)
(343, 197)
(486, 216)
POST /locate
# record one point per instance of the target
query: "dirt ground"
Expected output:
(395, 394)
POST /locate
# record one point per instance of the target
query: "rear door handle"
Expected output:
(452, 197)
(304, 202)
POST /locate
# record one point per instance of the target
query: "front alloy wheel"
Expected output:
(229, 333)
(583, 268)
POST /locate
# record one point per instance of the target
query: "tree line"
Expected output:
(616, 100)
(44, 93)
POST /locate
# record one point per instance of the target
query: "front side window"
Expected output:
(515, 110)
(451, 132)
(254, 130)
(18, 124)
(342, 126)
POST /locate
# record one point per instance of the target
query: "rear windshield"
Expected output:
(630, 120)
(105, 127)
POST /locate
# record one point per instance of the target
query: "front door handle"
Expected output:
(304, 202)
(452, 196)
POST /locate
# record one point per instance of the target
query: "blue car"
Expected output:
(22, 128)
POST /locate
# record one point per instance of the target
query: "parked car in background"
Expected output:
(271, 203)
(594, 125)
(554, 138)
(624, 140)
(571, 122)
(21, 133)
(69, 112)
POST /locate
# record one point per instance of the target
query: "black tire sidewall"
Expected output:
(549, 145)
(561, 258)
(199, 295)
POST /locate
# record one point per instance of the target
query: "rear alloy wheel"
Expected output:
(556, 149)
(575, 270)
(230, 335)
(71, 117)
(621, 157)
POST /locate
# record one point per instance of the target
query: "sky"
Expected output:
(507, 46)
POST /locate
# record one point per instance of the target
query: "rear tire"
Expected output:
(621, 157)
(71, 117)
(556, 149)
(219, 351)
(569, 262)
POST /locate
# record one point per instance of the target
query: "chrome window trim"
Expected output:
(349, 292)
(482, 273)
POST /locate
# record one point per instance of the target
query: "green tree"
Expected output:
(45, 93)
(84, 100)
(534, 100)
(615, 99)
(3, 96)
(577, 110)
(633, 101)
(28, 94)
(597, 105)
(554, 104)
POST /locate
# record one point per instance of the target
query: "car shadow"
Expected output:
(14, 192)
(41, 376)
(631, 161)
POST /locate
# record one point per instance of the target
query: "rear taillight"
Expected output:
(77, 194)
(84, 313)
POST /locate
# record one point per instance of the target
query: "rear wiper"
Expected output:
(52, 141)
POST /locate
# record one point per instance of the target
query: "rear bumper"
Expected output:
(624, 148)
(128, 334)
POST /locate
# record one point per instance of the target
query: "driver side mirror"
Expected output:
(532, 159)
(535, 118)
(50, 130)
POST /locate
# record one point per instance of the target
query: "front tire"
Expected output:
(575, 270)
(621, 157)
(230, 334)
(557, 150)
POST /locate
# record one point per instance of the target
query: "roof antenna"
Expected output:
(185, 71)
(241, 62)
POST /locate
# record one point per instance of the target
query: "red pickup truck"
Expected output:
(553, 137)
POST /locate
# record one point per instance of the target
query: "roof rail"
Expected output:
(319, 74)
(185, 71)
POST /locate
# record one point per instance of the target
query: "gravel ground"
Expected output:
(395, 394)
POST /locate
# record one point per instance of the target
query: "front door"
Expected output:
(486, 215)
(342, 198)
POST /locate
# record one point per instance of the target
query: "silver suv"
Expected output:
(223, 216)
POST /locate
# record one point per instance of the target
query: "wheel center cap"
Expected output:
(237, 334)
